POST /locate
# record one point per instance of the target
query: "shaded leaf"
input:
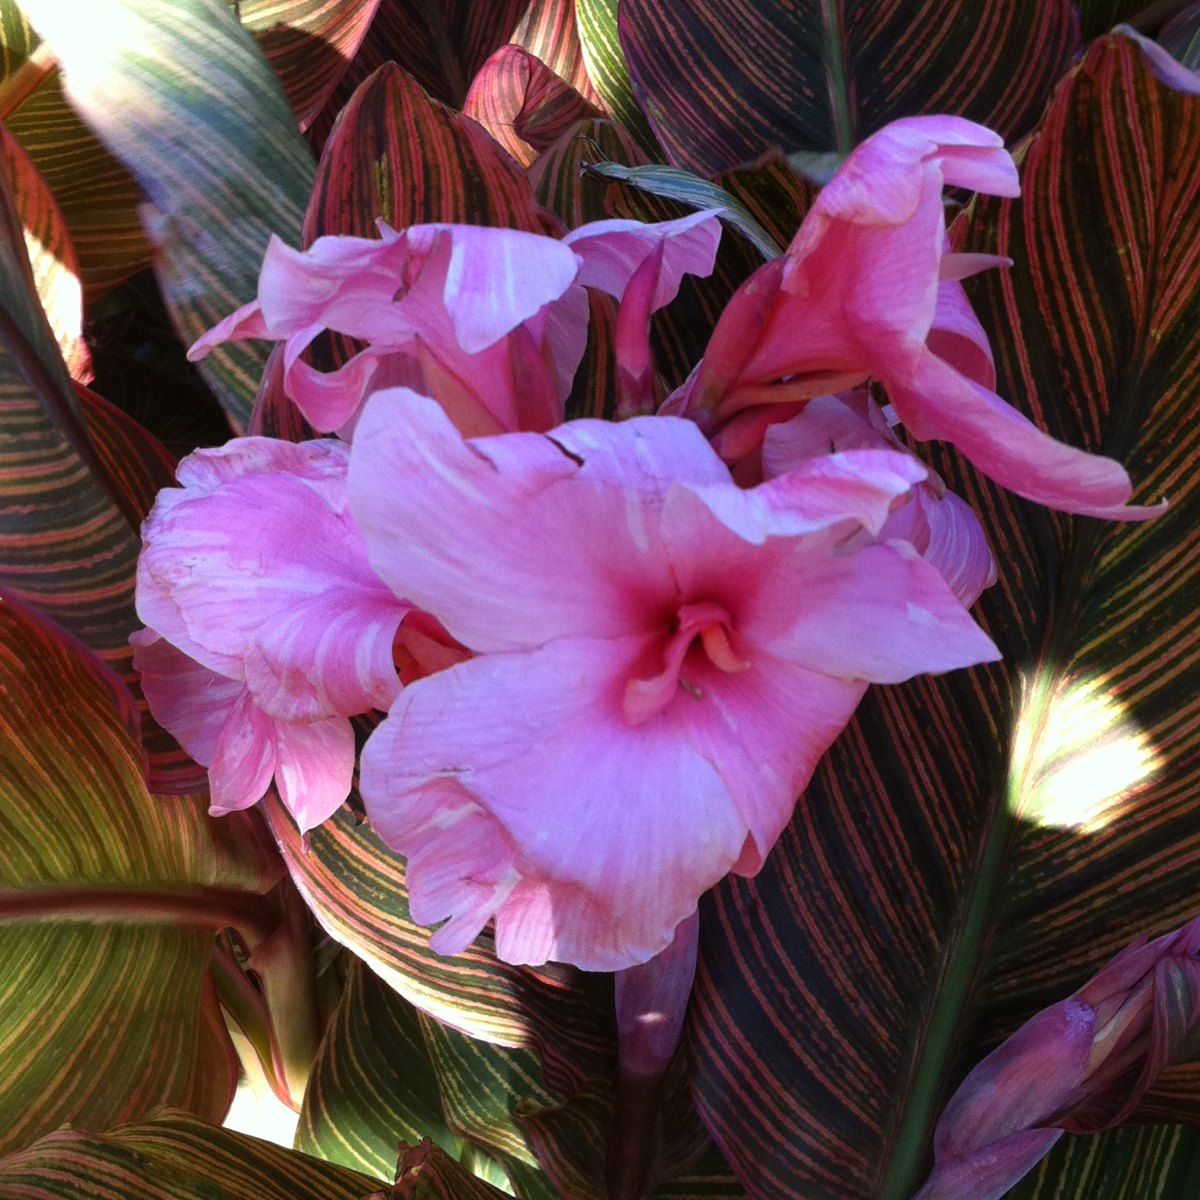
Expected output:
(219, 158)
(107, 896)
(398, 155)
(1128, 1164)
(822, 76)
(975, 846)
(774, 194)
(440, 43)
(1097, 17)
(173, 1157)
(427, 1173)
(695, 193)
(1180, 37)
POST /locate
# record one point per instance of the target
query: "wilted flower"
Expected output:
(868, 289)
(493, 322)
(661, 658)
(1079, 1066)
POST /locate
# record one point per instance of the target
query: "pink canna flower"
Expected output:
(660, 659)
(267, 629)
(1079, 1066)
(868, 289)
(940, 527)
(491, 321)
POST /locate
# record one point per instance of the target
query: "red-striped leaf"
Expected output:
(523, 104)
(821, 76)
(975, 846)
(399, 155)
(441, 44)
(548, 31)
(174, 1157)
(427, 1173)
(218, 156)
(109, 899)
(309, 44)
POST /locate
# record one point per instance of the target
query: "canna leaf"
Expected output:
(606, 66)
(107, 896)
(219, 160)
(175, 1157)
(976, 846)
(822, 76)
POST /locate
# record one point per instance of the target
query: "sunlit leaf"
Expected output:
(821, 76)
(596, 21)
(218, 156)
(175, 1157)
(109, 897)
(976, 846)
(309, 44)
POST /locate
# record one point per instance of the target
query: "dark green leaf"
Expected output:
(822, 76)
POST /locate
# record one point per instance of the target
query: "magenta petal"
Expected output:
(286, 601)
(186, 698)
(245, 322)
(582, 878)
(1022, 1084)
(244, 758)
(989, 1173)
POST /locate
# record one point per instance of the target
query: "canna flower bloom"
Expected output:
(868, 289)
(936, 523)
(1080, 1066)
(491, 321)
(267, 629)
(659, 660)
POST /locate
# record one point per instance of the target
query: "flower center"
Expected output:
(706, 623)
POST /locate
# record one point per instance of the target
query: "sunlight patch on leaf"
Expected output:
(1078, 755)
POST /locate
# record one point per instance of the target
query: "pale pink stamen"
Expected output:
(707, 621)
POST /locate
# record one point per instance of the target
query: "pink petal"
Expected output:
(245, 322)
(186, 698)
(287, 601)
(244, 759)
(513, 541)
(935, 401)
(314, 768)
(612, 252)
(585, 878)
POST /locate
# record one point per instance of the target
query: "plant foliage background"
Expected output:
(972, 849)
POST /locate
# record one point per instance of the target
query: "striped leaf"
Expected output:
(175, 1157)
(523, 104)
(975, 846)
(309, 44)
(596, 21)
(399, 155)
(109, 899)
(821, 75)
(426, 1173)
(1181, 37)
(1148, 1163)
(216, 154)
(51, 254)
(549, 32)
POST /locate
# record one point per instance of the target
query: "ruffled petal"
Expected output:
(516, 540)
(594, 867)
